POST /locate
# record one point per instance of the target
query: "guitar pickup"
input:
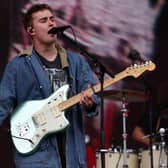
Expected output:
(39, 119)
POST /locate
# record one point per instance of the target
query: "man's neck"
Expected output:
(48, 52)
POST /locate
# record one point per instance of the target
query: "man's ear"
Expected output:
(30, 30)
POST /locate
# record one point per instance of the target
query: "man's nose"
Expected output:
(51, 22)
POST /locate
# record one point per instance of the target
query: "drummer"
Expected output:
(159, 119)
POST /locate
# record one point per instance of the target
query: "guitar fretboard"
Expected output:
(75, 99)
(134, 71)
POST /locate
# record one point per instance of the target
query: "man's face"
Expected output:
(42, 22)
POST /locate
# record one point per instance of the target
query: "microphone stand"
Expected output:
(150, 108)
(150, 138)
(136, 57)
(100, 74)
(163, 155)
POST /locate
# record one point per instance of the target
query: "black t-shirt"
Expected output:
(58, 77)
(149, 117)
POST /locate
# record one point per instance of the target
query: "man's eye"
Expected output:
(53, 19)
(43, 20)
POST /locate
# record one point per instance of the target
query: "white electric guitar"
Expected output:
(33, 120)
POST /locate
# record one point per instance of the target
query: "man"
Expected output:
(159, 119)
(141, 130)
(34, 76)
(159, 139)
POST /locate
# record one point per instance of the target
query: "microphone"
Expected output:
(134, 55)
(149, 135)
(60, 29)
(161, 132)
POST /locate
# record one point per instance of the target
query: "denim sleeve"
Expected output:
(7, 92)
(86, 78)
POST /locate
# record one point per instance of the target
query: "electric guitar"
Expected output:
(34, 120)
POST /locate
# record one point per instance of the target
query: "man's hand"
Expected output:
(86, 100)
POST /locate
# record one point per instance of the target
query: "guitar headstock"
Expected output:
(137, 69)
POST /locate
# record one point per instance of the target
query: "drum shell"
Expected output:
(112, 159)
(146, 158)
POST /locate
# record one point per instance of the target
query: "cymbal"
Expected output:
(128, 95)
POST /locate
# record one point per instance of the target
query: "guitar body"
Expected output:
(33, 120)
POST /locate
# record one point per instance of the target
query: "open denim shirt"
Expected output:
(25, 79)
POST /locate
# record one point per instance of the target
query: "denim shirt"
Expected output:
(25, 79)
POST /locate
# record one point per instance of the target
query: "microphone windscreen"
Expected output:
(56, 30)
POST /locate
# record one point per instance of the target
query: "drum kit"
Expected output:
(126, 158)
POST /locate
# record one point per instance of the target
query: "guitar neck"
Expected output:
(134, 71)
(95, 89)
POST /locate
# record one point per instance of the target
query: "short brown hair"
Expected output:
(27, 18)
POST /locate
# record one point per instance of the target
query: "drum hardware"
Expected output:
(163, 155)
(116, 148)
(157, 134)
(124, 116)
(114, 158)
(118, 161)
(145, 157)
(160, 155)
(125, 96)
(131, 96)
